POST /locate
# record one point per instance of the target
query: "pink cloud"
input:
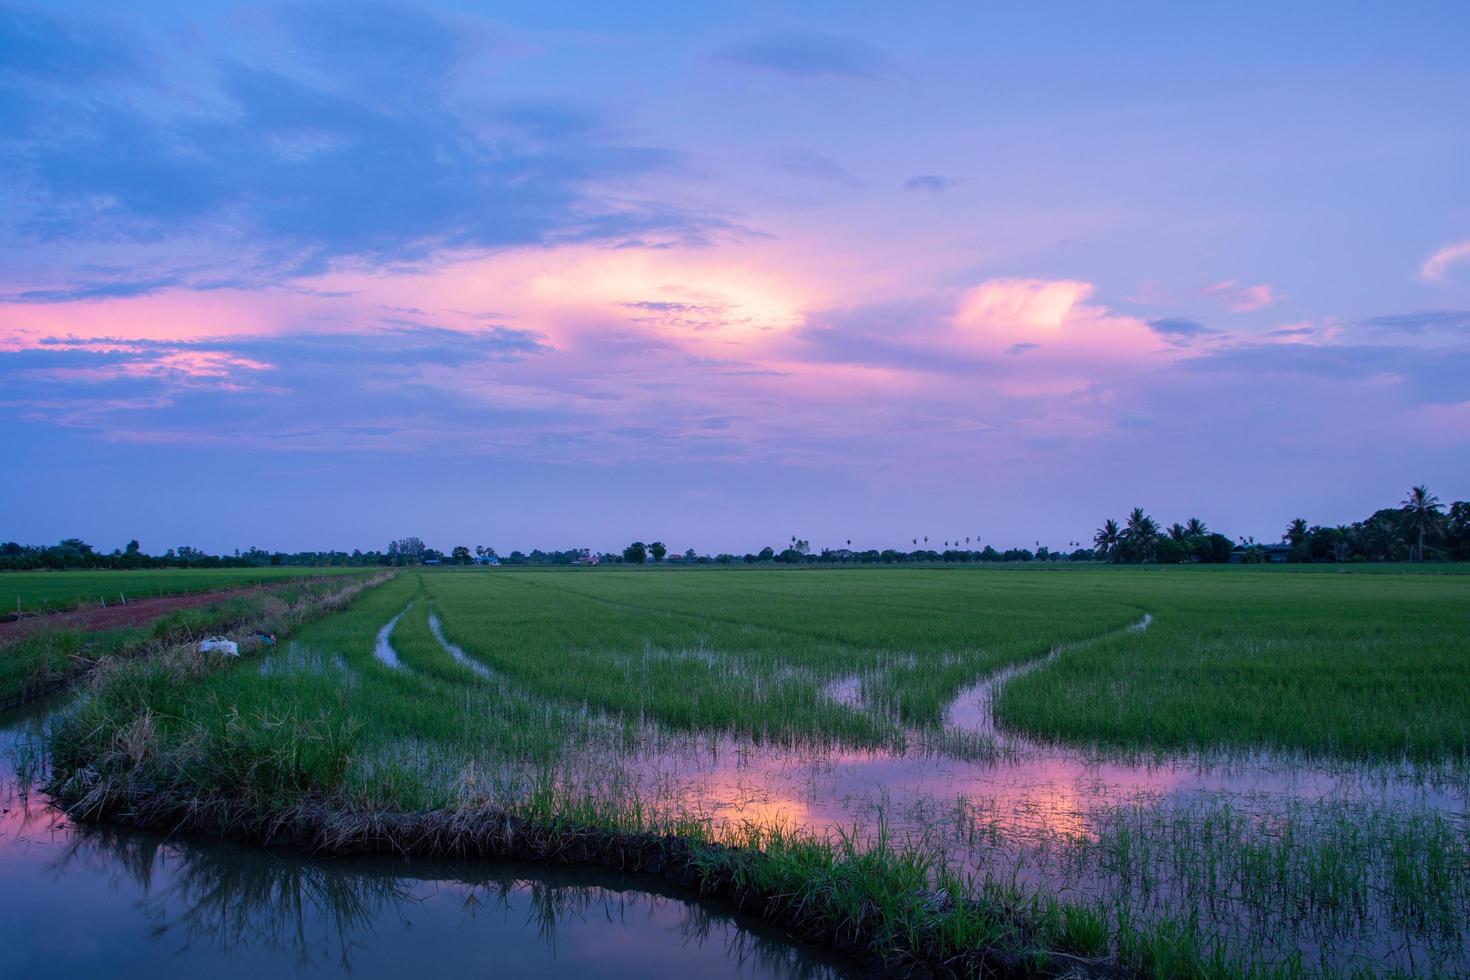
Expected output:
(1243, 299)
(648, 354)
(1434, 268)
(1049, 321)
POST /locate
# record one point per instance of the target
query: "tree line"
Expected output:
(1420, 528)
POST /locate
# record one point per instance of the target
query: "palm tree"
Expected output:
(1195, 528)
(1296, 532)
(1107, 539)
(1141, 534)
(1177, 531)
(1422, 514)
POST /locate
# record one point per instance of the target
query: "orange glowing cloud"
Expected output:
(1049, 320)
(709, 299)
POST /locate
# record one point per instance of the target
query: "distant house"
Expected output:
(1271, 552)
(487, 560)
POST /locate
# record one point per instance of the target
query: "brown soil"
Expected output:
(137, 612)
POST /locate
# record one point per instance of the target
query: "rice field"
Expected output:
(42, 591)
(1193, 772)
(46, 653)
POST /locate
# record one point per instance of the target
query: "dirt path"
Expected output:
(137, 612)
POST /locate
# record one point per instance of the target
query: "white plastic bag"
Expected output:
(219, 644)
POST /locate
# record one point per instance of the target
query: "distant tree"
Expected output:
(407, 551)
(766, 554)
(1381, 537)
(1299, 536)
(1422, 516)
(460, 555)
(658, 550)
(1457, 532)
(1296, 531)
(1170, 551)
(1107, 540)
(1214, 548)
(1177, 532)
(1195, 528)
(689, 555)
(636, 553)
(135, 548)
(1140, 536)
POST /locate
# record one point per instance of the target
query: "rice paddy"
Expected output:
(1187, 771)
(45, 654)
(33, 592)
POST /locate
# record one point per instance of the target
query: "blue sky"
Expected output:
(317, 274)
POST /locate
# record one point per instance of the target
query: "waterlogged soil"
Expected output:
(78, 901)
(1280, 857)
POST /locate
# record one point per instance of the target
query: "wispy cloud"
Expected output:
(1420, 321)
(84, 291)
(1180, 330)
(1438, 265)
(1240, 298)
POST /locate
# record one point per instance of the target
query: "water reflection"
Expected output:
(78, 901)
(211, 898)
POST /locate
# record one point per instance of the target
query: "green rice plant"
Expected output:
(1355, 667)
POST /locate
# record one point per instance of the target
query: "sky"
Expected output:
(319, 275)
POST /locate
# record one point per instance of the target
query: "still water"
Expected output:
(81, 902)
